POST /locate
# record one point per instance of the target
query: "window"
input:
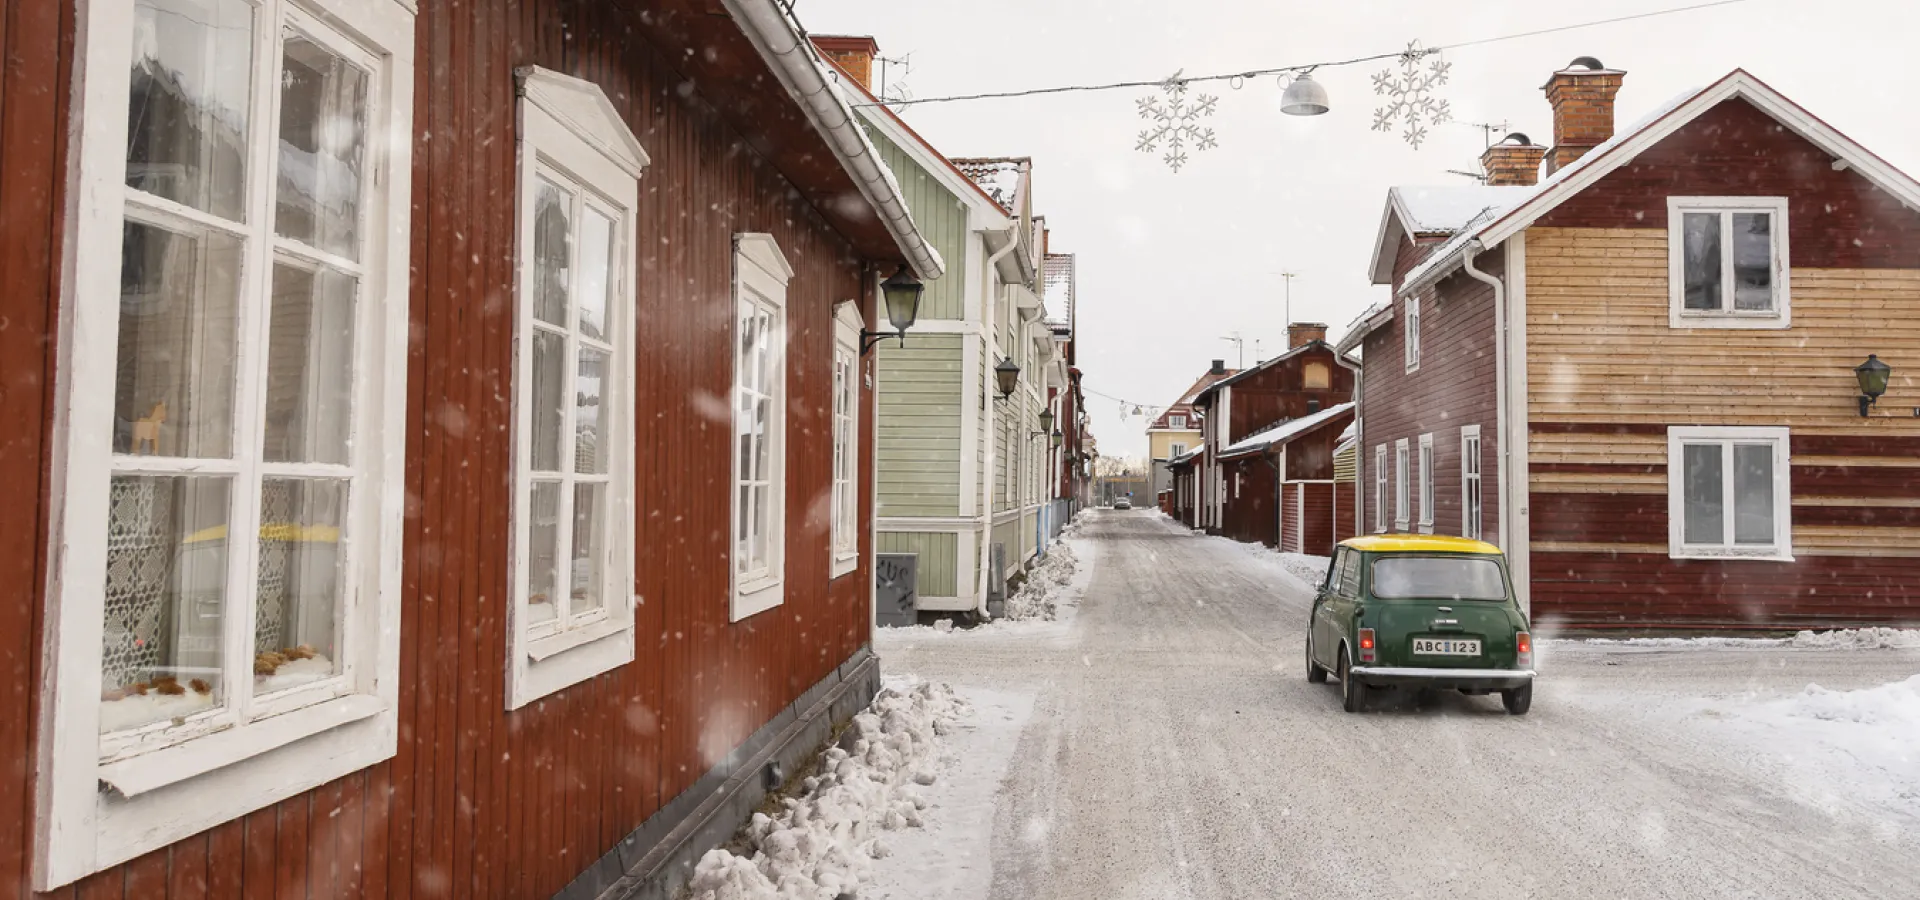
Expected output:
(1727, 262)
(1380, 488)
(1471, 501)
(228, 521)
(1728, 493)
(1177, 423)
(1426, 483)
(1438, 577)
(1175, 450)
(847, 376)
(1315, 376)
(760, 281)
(573, 387)
(1412, 334)
(1400, 491)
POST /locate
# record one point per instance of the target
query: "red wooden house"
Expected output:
(1271, 425)
(521, 341)
(1643, 375)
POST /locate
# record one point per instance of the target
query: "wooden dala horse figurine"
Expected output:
(147, 431)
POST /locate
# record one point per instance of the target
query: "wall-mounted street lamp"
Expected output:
(901, 291)
(1872, 375)
(1006, 377)
(1058, 438)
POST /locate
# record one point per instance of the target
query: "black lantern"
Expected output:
(1046, 420)
(1872, 375)
(1006, 377)
(901, 291)
(1058, 438)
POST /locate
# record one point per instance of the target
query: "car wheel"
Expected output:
(1518, 700)
(1315, 674)
(1353, 693)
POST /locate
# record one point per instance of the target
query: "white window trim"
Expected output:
(569, 127)
(165, 795)
(1402, 460)
(844, 541)
(1176, 423)
(1677, 438)
(1424, 463)
(1379, 489)
(1175, 449)
(1473, 485)
(1411, 333)
(1781, 316)
(758, 262)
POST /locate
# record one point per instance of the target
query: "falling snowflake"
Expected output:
(1177, 121)
(1410, 94)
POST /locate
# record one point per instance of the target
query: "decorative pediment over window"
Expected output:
(584, 108)
(761, 250)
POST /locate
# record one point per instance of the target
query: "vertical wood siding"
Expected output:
(479, 802)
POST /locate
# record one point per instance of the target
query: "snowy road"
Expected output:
(1175, 751)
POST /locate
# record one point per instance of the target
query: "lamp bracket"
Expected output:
(870, 338)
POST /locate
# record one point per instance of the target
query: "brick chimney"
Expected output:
(853, 53)
(1582, 98)
(1514, 162)
(1219, 367)
(1300, 334)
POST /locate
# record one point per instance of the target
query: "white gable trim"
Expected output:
(1738, 84)
(761, 250)
(936, 165)
(584, 108)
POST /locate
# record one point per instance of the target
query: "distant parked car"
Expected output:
(1420, 611)
(1123, 503)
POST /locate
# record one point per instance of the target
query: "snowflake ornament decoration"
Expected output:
(1177, 122)
(1410, 94)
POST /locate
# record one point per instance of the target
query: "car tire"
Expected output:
(1517, 700)
(1315, 674)
(1353, 692)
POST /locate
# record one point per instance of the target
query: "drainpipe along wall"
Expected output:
(1473, 249)
(990, 330)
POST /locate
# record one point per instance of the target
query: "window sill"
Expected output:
(149, 771)
(1769, 554)
(843, 565)
(553, 645)
(754, 598)
(1771, 321)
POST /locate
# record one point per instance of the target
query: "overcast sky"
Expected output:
(1170, 263)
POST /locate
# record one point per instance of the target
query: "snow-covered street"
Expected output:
(1175, 750)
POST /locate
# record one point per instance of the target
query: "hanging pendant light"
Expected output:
(1304, 97)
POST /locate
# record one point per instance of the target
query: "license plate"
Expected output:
(1445, 647)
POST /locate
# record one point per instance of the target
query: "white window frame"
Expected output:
(1424, 465)
(570, 133)
(1472, 485)
(1176, 422)
(1679, 316)
(176, 779)
(1681, 436)
(1401, 486)
(844, 549)
(1175, 449)
(1411, 335)
(1379, 489)
(760, 277)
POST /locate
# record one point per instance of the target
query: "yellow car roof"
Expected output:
(1419, 543)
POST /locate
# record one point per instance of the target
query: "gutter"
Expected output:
(779, 40)
(1470, 250)
(987, 392)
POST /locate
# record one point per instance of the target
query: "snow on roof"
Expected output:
(1439, 260)
(1000, 177)
(1444, 209)
(1057, 285)
(1285, 431)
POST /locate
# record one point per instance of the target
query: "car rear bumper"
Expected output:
(1471, 679)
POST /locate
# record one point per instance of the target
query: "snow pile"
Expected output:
(1857, 639)
(823, 844)
(1837, 749)
(1039, 597)
(1894, 707)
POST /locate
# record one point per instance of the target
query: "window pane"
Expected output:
(543, 551)
(323, 146)
(762, 443)
(308, 416)
(742, 542)
(589, 450)
(762, 506)
(174, 379)
(165, 599)
(552, 240)
(747, 325)
(548, 399)
(1704, 520)
(1448, 578)
(596, 272)
(1753, 261)
(187, 113)
(297, 608)
(589, 516)
(1702, 259)
(1753, 494)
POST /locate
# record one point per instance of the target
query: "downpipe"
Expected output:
(987, 391)
(1472, 249)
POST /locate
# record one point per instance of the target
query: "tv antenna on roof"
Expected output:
(901, 92)
(1487, 130)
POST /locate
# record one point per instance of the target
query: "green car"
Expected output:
(1424, 611)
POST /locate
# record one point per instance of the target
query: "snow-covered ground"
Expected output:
(1043, 608)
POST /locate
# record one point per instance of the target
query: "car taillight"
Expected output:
(1523, 642)
(1366, 645)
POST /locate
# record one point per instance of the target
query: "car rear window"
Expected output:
(1452, 578)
